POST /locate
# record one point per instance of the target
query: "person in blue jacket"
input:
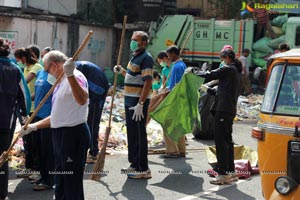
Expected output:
(12, 96)
(98, 86)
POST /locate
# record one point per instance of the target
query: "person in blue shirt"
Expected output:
(43, 83)
(174, 150)
(178, 66)
(98, 86)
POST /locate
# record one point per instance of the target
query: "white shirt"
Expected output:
(244, 62)
(66, 112)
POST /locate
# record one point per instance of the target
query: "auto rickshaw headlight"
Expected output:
(284, 185)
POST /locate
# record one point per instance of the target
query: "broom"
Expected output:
(4, 156)
(99, 164)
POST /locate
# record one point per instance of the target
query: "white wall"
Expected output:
(11, 3)
(20, 32)
(100, 46)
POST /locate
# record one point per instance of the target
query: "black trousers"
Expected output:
(6, 137)
(32, 148)
(46, 157)
(137, 139)
(5, 140)
(224, 142)
(70, 147)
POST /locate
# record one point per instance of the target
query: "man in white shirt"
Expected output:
(68, 120)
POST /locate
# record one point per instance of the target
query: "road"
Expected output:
(180, 179)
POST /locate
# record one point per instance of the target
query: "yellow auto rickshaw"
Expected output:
(278, 131)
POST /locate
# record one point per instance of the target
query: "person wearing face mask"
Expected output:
(68, 120)
(174, 150)
(30, 56)
(156, 84)
(166, 64)
(224, 111)
(137, 93)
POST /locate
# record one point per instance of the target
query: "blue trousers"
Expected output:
(94, 116)
(70, 147)
(137, 139)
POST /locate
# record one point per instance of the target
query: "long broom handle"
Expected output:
(118, 63)
(75, 56)
(99, 165)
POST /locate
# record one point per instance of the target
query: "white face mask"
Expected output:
(51, 79)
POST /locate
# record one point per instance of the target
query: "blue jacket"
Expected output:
(12, 93)
(97, 81)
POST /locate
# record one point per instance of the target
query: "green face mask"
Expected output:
(21, 65)
(163, 64)
(134, 45)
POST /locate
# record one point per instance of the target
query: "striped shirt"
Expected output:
(262, 15)
(139, 69)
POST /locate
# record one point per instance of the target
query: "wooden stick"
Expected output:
(99, 165)
(4, 155)
(186, 39)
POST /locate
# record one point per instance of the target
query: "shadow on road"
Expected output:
(24, 190)
(179, 177)
(233, 192)
(138, 192)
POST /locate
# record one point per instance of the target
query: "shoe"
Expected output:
(34, 177)
(128, 170)
(182, 155)
(221, 180)
(41, 187)
(140, 175)
(91, 159)
(234, 177)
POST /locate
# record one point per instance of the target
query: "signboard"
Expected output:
(275, 6)
(11, 38)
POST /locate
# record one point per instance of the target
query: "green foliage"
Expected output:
(226, 9)
(99, 11)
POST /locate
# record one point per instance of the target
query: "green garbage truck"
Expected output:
(202, 39)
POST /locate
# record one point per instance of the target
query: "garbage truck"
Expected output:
(202, 39)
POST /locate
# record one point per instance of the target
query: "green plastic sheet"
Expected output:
(179, 110)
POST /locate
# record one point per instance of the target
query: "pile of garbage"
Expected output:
(118, 136)
(249, 107)
(266, 46)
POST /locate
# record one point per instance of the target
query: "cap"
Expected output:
(227, 47)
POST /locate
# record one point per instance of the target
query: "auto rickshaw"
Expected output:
(277, 130)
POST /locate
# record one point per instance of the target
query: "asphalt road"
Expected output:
(180, 179)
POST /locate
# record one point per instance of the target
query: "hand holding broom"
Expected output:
(4, 156)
